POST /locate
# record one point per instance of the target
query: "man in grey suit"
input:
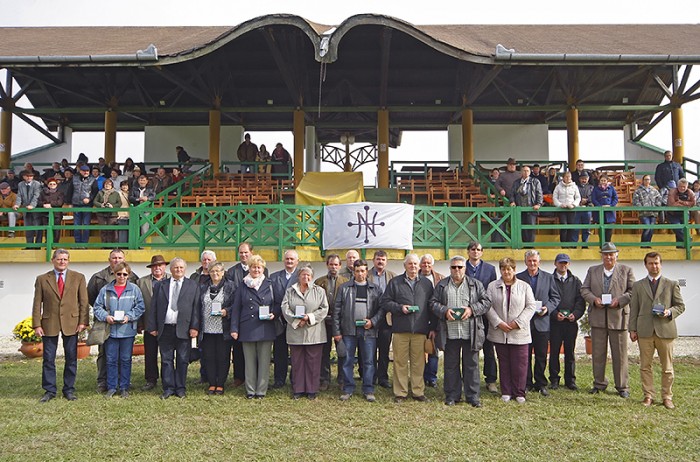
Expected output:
(281, 280)
(175, 318)
(150, 342)
(28, 192)
(607, 289)
(547, 294)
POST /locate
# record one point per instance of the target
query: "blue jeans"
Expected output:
(368, 350)
(118, 352)
(675, 218)
(647, 233)
(81, 218)
(70, 369)
(582, 218)
(431, 369)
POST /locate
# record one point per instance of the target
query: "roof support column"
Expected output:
(298, 145)
(383, 148)
(5, 137)
(572, 135)
(467, 139)
(677, 133)
(214, 139)
(110, 154)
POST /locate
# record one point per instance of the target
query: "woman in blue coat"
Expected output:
(120, 304)
(252, 324)
(604, 195)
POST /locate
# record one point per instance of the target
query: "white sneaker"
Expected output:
(520, 399)
(505, 398)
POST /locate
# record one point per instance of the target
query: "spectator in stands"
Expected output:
(567, 196)
(537, 174)
(350, 257)
(185, 160)
(552, 180)
(64, 165)
(527, 193)
(505, 181)
(161, 181)
(66, 185)
(82, 158)
(29, 167)
(580, 169)
(177, 175)
(128, 169)
(123, 215)
(647, 196)
(134, 180)
(116, 177)
(103, 167)
(107, 199)
(12, 180)
(493, 176)
(247, 152)
(264, 156)
(52, 172)
(52, 197)
(604, 195)
(28, 197)
(281, 161)
(84, 192)
(99, 178)
(696, 214)
(7, 201)
(681, 196)
(668, 170)
(431, 365)
(140, 194)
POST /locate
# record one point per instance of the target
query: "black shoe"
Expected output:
(180, 394)
(47, 397)
(125, 394)
(384, 384)
(101, 387)
(431, 383)
(110, 393)
(166, 394)
(420, 398)
(624, 394)
(259, 396)
(296, 396)
(249, 396)
(475, 403)
(571, 386)
(70, 396)
(450, 402)
(149, 386)
(543, 391)
(530, 387)
(595, 390)
(554, 386)
(312, 396)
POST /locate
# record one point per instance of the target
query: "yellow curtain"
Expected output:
(330, 188)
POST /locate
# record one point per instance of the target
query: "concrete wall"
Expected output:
(53, 153)
(18, 285)
(524, 142)
(160, 142)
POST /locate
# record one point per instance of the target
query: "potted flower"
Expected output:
(585, 328)
(31, 343)
(138, 346)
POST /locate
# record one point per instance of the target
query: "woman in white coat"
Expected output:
(567, 196)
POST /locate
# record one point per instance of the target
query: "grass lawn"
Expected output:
(566, 426)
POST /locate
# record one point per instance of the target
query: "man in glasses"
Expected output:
(459, 302)
(486, 274)
(95, 284)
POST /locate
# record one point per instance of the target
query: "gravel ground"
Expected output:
(684, 346)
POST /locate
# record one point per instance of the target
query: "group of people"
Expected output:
(278, 162)
(363, 310)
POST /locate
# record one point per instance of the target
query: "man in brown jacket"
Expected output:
(60, 306)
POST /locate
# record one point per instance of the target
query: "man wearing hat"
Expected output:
(84, 192)
(28, 194)
(564, 323)
(7, 201)
(150, 342)
(607, 289)
(583, 218)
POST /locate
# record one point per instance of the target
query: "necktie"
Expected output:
(61, 285)
(176, 295)
(654, 281)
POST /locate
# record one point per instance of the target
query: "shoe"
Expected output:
(554, 386)
(530, 387)
(259, 396)
(544, 392)
(211, 391)
(110, 393)
(647, 401)
(520, 399)
(399, 399)
(431, 383)
(249, 396)
(166, 394)
(296, 396)
(668, 404)
(474, 403)
(572, 386)
(624, 394)
(70, 396)
(277, 385)
(492, 388)
(370, 397)
(219, 391)
(385, 384)
(595, 390)
(505, 398)
(420, 398)
(237, 383)
(47, 397)
(312, 396)
(125, 393)
(101, 388)
(324, 386)
(450, 402)
(180, 394)
(149, 386)
(345, 396)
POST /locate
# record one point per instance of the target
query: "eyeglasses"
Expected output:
(456, 267)
(122, 274)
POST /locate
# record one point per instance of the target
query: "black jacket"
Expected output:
(398, 293)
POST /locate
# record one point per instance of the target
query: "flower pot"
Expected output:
(83, 350)
(589, 344)
(138, 350)
(32, 349)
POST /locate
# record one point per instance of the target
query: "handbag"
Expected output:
(100, 330)
(430, 346)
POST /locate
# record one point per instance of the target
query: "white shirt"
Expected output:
(170, 315)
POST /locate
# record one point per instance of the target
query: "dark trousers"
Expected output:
(174, 357)
(281, 359)
(150, 348)
(468, 377)
(562, 332)
(490, 368)
(70, 369)
(381, 373)
(674, 219)
(238, 360)
(648, 232)
(33, 219)
(512, 362)
(567, 235)
(122, 234)
(583, 218)
(306, 364)
(107, 235)
(528, 218)
(540, 340)
(326, 360)
(57, 221)
(216, 352)
(81, 218)
(101, 366)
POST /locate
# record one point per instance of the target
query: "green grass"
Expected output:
(566, 426)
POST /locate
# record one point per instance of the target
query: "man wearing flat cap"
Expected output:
(607, 289)
(150, 342)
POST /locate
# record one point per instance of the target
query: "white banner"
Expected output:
(369, 225)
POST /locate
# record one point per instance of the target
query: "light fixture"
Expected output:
(438, 101)
(625, 100)
(270, 102)
(162, 102)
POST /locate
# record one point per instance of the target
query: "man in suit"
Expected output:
(281, 280)
(150, 342)
(431, 364)
(655, 304)
(607, 290)
(331, 282)
(28, 193)
(486, 274)
(175, 319)
(547, 294)
(60, 306)
(380, 277)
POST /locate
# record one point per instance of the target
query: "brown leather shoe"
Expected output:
(647, 401)
(668, 404)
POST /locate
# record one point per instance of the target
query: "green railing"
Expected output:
(259, 167)
(283, 226)
(419, 169)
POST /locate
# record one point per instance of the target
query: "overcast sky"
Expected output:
(226, 12)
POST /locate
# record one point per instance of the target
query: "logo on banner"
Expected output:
(363, 223)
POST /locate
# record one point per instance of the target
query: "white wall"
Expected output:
(523, 142)
(51, 154)
(160, 142)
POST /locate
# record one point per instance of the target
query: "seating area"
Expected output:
(239, 188)
(452, 188)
